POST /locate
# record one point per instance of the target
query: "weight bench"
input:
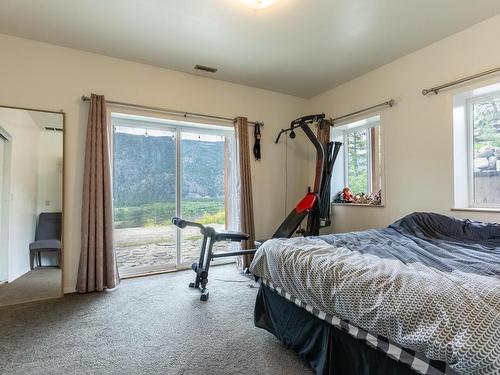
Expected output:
(210, 237)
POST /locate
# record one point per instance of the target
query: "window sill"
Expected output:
(357, 205)
(476, 209)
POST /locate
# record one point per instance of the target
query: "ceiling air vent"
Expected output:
(205, 68)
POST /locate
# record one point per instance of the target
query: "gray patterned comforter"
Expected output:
(428, 282)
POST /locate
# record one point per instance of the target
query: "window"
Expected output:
(484, 125)
(477, 148)
(359, 163)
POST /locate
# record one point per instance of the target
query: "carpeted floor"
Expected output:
(37, 284)
(150, 325)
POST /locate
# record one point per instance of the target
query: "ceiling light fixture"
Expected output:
(258, 4)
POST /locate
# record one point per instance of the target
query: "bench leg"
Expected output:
(199, 265)
(32, 260)
(39, 259)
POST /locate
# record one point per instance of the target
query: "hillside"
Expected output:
(144, 170)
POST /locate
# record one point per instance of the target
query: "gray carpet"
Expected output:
(150, 325)
(40, 283)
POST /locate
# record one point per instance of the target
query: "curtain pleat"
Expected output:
(246, 198)
(97, 269)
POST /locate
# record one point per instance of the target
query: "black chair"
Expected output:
(47, 237)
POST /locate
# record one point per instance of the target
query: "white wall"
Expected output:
(418, 131)
(50, 168)
(23, 187)
(39, 75)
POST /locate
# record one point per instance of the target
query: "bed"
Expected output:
(419, 297)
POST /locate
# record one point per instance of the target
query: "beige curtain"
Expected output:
(246, 199)
(97, 270)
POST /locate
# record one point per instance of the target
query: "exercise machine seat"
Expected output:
(229, 235)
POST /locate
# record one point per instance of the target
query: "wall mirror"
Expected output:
(31, 205)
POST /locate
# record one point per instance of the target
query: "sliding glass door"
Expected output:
(203, 188)
(144, 198)
(163, 169)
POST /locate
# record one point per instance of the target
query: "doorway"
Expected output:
(4, 183)
(163, 169)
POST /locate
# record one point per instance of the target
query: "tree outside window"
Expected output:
(357, 161)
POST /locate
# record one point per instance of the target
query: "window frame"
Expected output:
(469, 118)
(340, 133)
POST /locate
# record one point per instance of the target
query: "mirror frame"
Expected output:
(63, 224)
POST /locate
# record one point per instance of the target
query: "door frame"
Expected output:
(5, 212)
(157, 122)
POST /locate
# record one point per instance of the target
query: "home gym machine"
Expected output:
(315, 205)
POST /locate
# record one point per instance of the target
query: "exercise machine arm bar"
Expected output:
(181, 223)
(301, 122)
(308, 118)
(233, 253)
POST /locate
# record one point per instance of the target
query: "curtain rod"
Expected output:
(436, 89)
(388, 103)
(172, 111)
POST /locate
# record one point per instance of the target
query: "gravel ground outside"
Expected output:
(137, 248)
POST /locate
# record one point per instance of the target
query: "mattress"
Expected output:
(428, 283)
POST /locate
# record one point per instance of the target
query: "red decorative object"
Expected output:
(347, 195)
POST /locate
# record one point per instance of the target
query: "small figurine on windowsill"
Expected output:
(375, 198)
(347, 195)
(338, 198)
(360, 198)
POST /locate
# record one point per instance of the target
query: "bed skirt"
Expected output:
(327, 349)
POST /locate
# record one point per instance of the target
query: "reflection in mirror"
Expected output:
(31, 178)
